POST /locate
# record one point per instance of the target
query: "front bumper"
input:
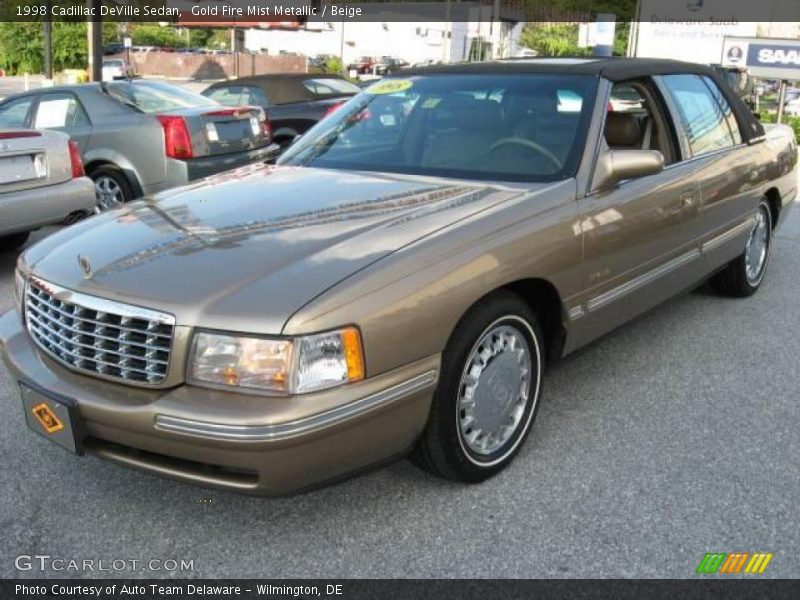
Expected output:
(26, 210)
(252, 444)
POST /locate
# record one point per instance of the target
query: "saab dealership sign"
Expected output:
(770, 59)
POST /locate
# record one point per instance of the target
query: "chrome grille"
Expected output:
(98, 336)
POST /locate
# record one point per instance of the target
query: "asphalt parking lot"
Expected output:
(674, 436)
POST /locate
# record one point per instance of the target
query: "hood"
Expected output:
(244, 250)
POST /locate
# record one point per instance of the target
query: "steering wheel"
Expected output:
(530, 145)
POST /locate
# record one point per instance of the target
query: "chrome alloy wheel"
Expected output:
(755, 254)
(495, 389)
(108, 193)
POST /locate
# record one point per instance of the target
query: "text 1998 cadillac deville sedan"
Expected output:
(400, 280)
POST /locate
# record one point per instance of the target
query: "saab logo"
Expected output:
(784, 57)
(778, 56)
(732, 563)
(47, 418)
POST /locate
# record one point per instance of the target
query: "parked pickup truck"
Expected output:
(400, 281)
(41, 183)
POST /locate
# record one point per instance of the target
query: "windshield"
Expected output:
(490, 127)
(154, 96)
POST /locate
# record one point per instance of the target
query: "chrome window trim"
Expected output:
(637, 282)
(280, 431)
(711, 154)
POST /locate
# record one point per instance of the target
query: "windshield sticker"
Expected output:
(389, 86)
(431, 103)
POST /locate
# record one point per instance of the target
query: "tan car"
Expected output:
(399, 282)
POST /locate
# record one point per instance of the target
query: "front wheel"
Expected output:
(488, 392)
(743, 275)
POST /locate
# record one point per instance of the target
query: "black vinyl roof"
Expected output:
(282, 88)
(613, 69)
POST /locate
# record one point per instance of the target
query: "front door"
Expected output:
(641, 237)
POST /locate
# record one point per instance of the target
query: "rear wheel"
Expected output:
(111, 188)
(488, 392)
(13, 241)
(743, 276)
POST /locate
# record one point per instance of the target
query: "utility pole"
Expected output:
(341, 51)
(94, 28)
(781, 100)
(48, 44)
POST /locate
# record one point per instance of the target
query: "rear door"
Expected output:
(722, 164)
(62, 111)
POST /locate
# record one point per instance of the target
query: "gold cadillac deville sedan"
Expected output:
(398, 283)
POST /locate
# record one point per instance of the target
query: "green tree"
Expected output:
(220, 39)
(152, 34)
(70, 46)
(22, 46)
(333, 64)
(553, 39)
(574, 10)
(561, 39)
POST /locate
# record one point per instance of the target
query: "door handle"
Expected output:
(687, 199)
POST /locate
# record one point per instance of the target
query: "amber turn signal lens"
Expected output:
(353, 354)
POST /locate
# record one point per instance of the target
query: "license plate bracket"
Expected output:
(54, 417)
(17, 168)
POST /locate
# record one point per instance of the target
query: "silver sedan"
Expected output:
(140, 137)
(41, 182)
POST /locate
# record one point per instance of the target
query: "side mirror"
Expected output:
(614, 166)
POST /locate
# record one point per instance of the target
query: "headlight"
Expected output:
(283, 365)
(327, 360)
(19, 289)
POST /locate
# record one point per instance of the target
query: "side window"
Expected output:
(636, 119)
(726, 109)
(238, 95)
(15, 113)
(701, 115)
(227, 96)
(59, 111)
(254, 96)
